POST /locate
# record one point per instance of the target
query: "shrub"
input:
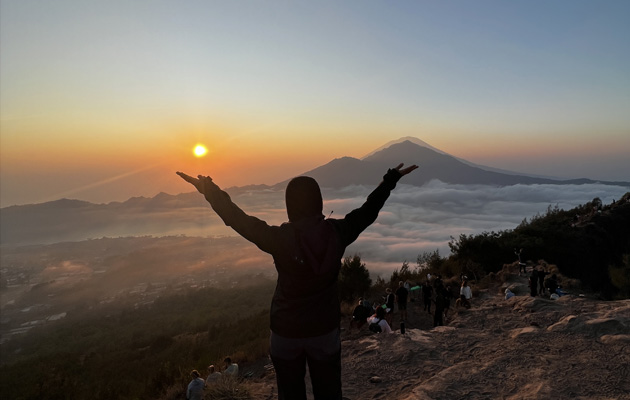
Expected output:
(354, 279)
(228, 388)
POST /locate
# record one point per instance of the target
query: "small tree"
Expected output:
(429, 260)
(354, 278)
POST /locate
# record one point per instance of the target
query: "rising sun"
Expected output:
(200, 150)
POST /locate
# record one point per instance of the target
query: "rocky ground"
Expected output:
(526, 347)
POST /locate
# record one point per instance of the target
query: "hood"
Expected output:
(303, 198)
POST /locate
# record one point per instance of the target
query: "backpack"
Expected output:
(375, 327)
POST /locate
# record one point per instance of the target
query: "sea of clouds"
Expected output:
(415, 219)
(423, 219)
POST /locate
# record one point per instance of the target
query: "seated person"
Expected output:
(359, 315)
(231, 369)
(195, 387)
(213, 375)
(552, 284)
(379, 319)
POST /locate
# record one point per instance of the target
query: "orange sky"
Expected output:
(106, 101)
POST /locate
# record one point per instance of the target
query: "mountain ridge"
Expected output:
(433, 165)
(163, 214)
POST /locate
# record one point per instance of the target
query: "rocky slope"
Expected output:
(521, 348)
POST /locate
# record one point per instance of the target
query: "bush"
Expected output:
(587, 244)
(354, 279)
(228, 388)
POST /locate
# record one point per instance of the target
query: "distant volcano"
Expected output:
(434, 165)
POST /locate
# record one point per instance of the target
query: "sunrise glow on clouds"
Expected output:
(104, 101)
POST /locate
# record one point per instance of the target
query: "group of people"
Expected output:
(539, 286)
(195, 388)
(379, 316)
(434, 292)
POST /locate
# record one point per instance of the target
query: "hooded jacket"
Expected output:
(307, 252)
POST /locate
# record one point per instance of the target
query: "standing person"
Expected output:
(427, 293)
(359, 315)
(448, 296)
(390, 300)
(465, 294)
(195, 387)
(440, 304)
(541, 280)
(521, 265)
(307, 253)
(401, 299)
(533, 283)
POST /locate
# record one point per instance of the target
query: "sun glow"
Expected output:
(200, 150)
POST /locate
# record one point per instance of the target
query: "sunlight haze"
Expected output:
(103, 101)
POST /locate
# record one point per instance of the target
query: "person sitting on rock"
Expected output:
(213, 375)
(377, 321)
(194, 391)
(231, 369)
(552, 284)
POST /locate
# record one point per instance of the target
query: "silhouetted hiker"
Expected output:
(195, 387)
(378, 323)
(521, 264)
(541, 280)
(440, 303)
(359, 315)
(307, 253)
(448, 296)
(231, 369)
(390, 300)
(427, 293)
(401, 299)
(533, 282)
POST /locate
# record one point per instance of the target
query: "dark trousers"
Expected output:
(323, 356)
(427, 304)
(437, 318)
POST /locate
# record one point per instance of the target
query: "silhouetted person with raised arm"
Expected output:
(307, 253)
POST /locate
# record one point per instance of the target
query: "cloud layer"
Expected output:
(416, 220)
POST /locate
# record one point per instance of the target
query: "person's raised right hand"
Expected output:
(405, 171)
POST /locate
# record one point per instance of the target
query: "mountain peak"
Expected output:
(411, 139)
